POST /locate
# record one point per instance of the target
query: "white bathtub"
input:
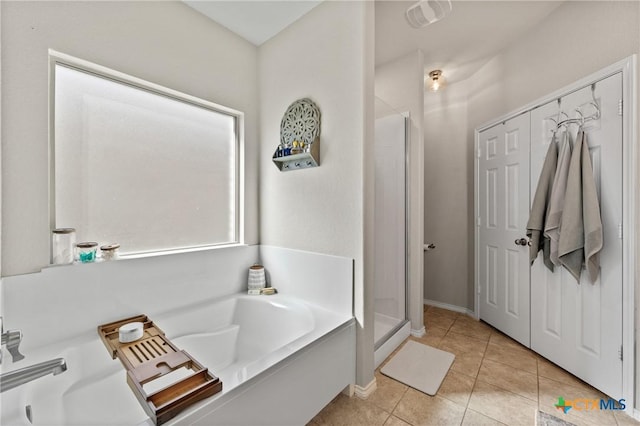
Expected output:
(244, 340)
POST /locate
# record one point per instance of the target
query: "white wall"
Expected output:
(400, 84)
(576, 39)
(322, 56)
(447, 199)
(166, 43)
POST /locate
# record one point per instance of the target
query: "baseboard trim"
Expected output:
(419, 332)
(450, 307)
(349, 390)
(366, 391)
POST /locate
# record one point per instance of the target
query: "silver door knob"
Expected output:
(522, 242)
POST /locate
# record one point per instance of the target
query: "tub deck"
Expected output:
(242, 339)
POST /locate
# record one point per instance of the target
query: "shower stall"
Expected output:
(391, 325)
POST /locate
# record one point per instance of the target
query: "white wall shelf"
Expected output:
(303, 160)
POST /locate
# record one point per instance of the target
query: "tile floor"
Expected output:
(494, 380)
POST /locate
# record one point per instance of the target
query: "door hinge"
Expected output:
(620, 106)
(478, 221)
(479, 153)
(620, 353)
(620, 231)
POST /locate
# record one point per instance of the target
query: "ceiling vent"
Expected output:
(427, 12)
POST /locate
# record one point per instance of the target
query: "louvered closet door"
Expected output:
(503, 197)
(579, 326)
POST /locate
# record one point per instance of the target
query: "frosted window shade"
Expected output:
(141, 169)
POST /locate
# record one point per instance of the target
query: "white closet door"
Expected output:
(579, 326)
(503, 196)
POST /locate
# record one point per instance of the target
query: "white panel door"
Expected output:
(579, 325)
(390, 233)
(503, 208)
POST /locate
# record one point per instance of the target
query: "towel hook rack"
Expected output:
(582, 119)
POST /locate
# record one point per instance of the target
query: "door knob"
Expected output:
(522, 242)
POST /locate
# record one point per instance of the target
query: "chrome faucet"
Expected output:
(11, 339)
(19, 377)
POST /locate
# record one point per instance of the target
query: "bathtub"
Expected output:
(281, 359)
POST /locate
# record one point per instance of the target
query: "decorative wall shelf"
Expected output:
(299, 137)
(303, 160)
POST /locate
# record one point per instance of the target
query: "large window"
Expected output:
(140, 165)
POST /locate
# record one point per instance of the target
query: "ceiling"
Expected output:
(255, 21)
(462, 42)
(459, 44)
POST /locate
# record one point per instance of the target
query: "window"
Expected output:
(140, 165)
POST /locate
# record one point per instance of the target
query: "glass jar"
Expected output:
(110, 251)
(86, 251)
(62, 242)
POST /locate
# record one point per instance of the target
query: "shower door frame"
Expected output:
(403, 322)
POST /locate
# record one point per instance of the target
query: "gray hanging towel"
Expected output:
(553, 225)
(581, 235)
(537, 216)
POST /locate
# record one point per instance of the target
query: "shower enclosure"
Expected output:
(391, 326)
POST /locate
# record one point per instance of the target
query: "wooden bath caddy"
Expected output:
(153, 356)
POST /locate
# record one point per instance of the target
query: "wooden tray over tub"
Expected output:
(153, 356)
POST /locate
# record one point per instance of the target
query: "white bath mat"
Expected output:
(419, 366)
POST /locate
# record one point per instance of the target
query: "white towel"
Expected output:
(552, 226)
(537, 216)
(581, 234)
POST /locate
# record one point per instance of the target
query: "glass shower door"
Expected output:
(390, 223)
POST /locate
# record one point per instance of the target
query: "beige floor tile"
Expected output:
(522, 359)
(436, 320)
(418, 408)
(550, 390)
(459, 344)
(436, 331)
(456, 387)
(508, 378)
(551, 371)
(501, 405)
(427, 340)
(394, 421)
(498, 338)
(624, 419)
(350, 411)
(468, 364)
(470, 327)
(434, 310)
(473, 418)
(388, 392)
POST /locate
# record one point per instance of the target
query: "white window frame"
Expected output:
(58, 58)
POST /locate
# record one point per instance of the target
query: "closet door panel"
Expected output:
(590, 334)
(503, 173)
(547, 290)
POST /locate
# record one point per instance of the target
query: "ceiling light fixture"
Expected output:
(435, 81)
(427, 12)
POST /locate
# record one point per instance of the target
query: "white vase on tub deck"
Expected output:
(257, 280)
